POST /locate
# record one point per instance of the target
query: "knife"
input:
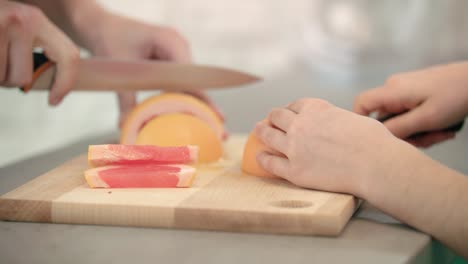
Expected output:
(453, 128)
(101, 74)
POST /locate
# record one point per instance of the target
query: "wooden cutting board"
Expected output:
(222, 198)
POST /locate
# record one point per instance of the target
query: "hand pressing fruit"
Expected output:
(314, 144)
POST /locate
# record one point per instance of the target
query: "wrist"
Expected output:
(394, 159)
(459, 78)
(399, 166)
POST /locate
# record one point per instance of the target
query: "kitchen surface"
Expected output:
(326, 49)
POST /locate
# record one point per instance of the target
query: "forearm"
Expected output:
(452, 77)
(458, 75)
(424, 194)
(75, 17)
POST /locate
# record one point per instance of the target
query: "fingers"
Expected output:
(127, 100)
(409, 123)
(67, 63)
(204, 97)
(432, 138)
(178, 48)
(4, 43)
(19, 63)
(64, 79)
(297, 106)
(169, 44)
(272, 137)
(15, 43)
(273, 164)
(23, 27)
(373, 100)
(61, 50)
(306, 104)
(282, 118)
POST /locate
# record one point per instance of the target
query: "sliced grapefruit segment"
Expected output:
(102, 155)
(168, 103)
(140, 176)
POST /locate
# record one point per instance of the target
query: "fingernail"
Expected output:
(54, 101)
(259, 124)
(257, 127)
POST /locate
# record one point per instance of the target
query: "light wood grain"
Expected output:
(222, 198)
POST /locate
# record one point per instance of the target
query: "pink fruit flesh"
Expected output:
(137, 176)
(103, 155)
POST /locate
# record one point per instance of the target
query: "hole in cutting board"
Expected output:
(291, 204)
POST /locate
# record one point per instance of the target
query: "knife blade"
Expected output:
(101, 74)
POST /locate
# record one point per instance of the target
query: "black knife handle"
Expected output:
(39, 59)
(40, 63)
(453, 128)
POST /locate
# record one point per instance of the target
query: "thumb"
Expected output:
(409, 123)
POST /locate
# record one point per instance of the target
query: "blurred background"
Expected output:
(331, 49)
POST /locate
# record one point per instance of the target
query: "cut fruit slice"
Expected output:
(102, 155)
(168, 103)
(253, 146)
(140, 176)
(179, 130)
